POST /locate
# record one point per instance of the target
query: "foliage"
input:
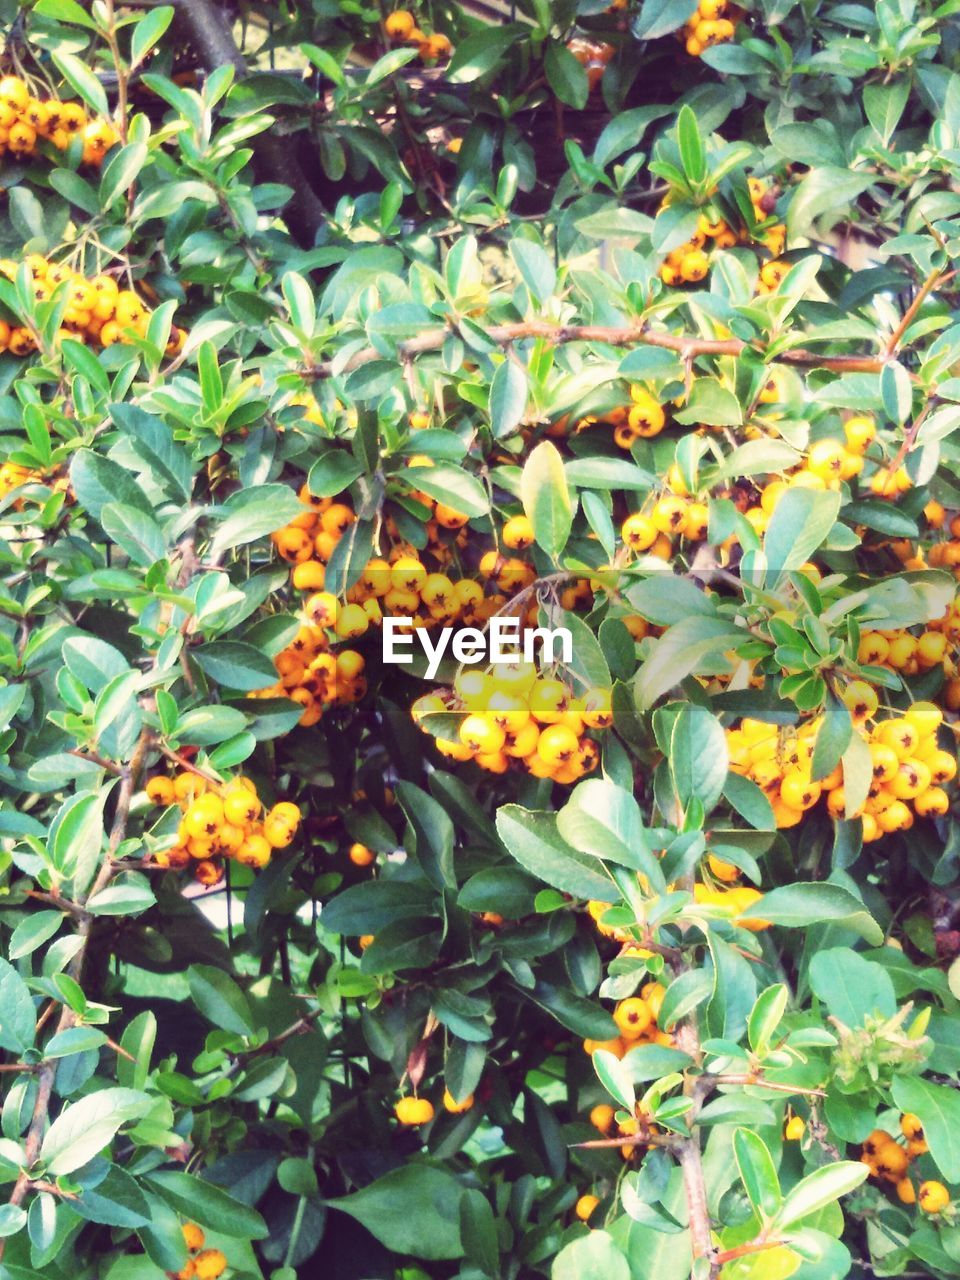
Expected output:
(638, 321)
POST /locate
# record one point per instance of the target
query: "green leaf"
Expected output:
(833, 738)
(333, 472)
(434, 834)
(121, 172)
(546, 499)
(148, 30)
(83, 1128)
(660, 17)
(711, 404)
(699, 758)
(692, 154)
(508, 397)
(250, 514)
(604, 820)
(566, 76)
(480, 53)
(414, 1210)
(98, 481)
(17, 1012)
(823, 189)
(137, 1040)
(65, 11)
(684, 994)
(896, 391)
(591, 1257)
(29, 934)
(478, 1232)
(851, 987)
(115, 1201)
(122, 899)
(201, 1201)
(535, 266)
(799, 525)
(396, 323)
(451, 485)
(884, 104)
(12, 1220)
(749, 801)
(219, 999)
(820, 1188)
(236, 665)
(134, 532)
(82, 80)
(765, 1016)
(938, 1107)
(300, 301)
(857, 774)
(796, 905)
(533, 839)
(615, 1078)
(757, 1173)
(153, 444)
(679, 651)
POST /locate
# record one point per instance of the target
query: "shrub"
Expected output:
(634, 322)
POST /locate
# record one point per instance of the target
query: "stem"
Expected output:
(933, 281)
(625, 336)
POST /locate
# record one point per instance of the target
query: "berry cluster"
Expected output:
(714, 22)
(310, 674)
(689, 263)
(97, 310)
(677, 514)
(401, 27)
(25, 120)
(889, 1159)
(641, 419)
(12, 476)
(514, 713)
(203, 1264)
(400, 584)
(221, 822)
(909, 765)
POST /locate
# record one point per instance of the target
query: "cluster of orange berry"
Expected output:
(401, 27)
(412, 1111)
(713, 22)
(689, 263)
(221, 822)
(203, 1264)
(312, 676)
(642, 419)
(636, 1019)
(98, 310)
(25, 120)
(514, 713)
(889, 1161)
(671, 516)
(734, 899)
(909, 765)
(677, 514)
(901, 650)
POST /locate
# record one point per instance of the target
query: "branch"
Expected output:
(626, 336)
(933, 281)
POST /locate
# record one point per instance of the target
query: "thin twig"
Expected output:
(624, 336)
